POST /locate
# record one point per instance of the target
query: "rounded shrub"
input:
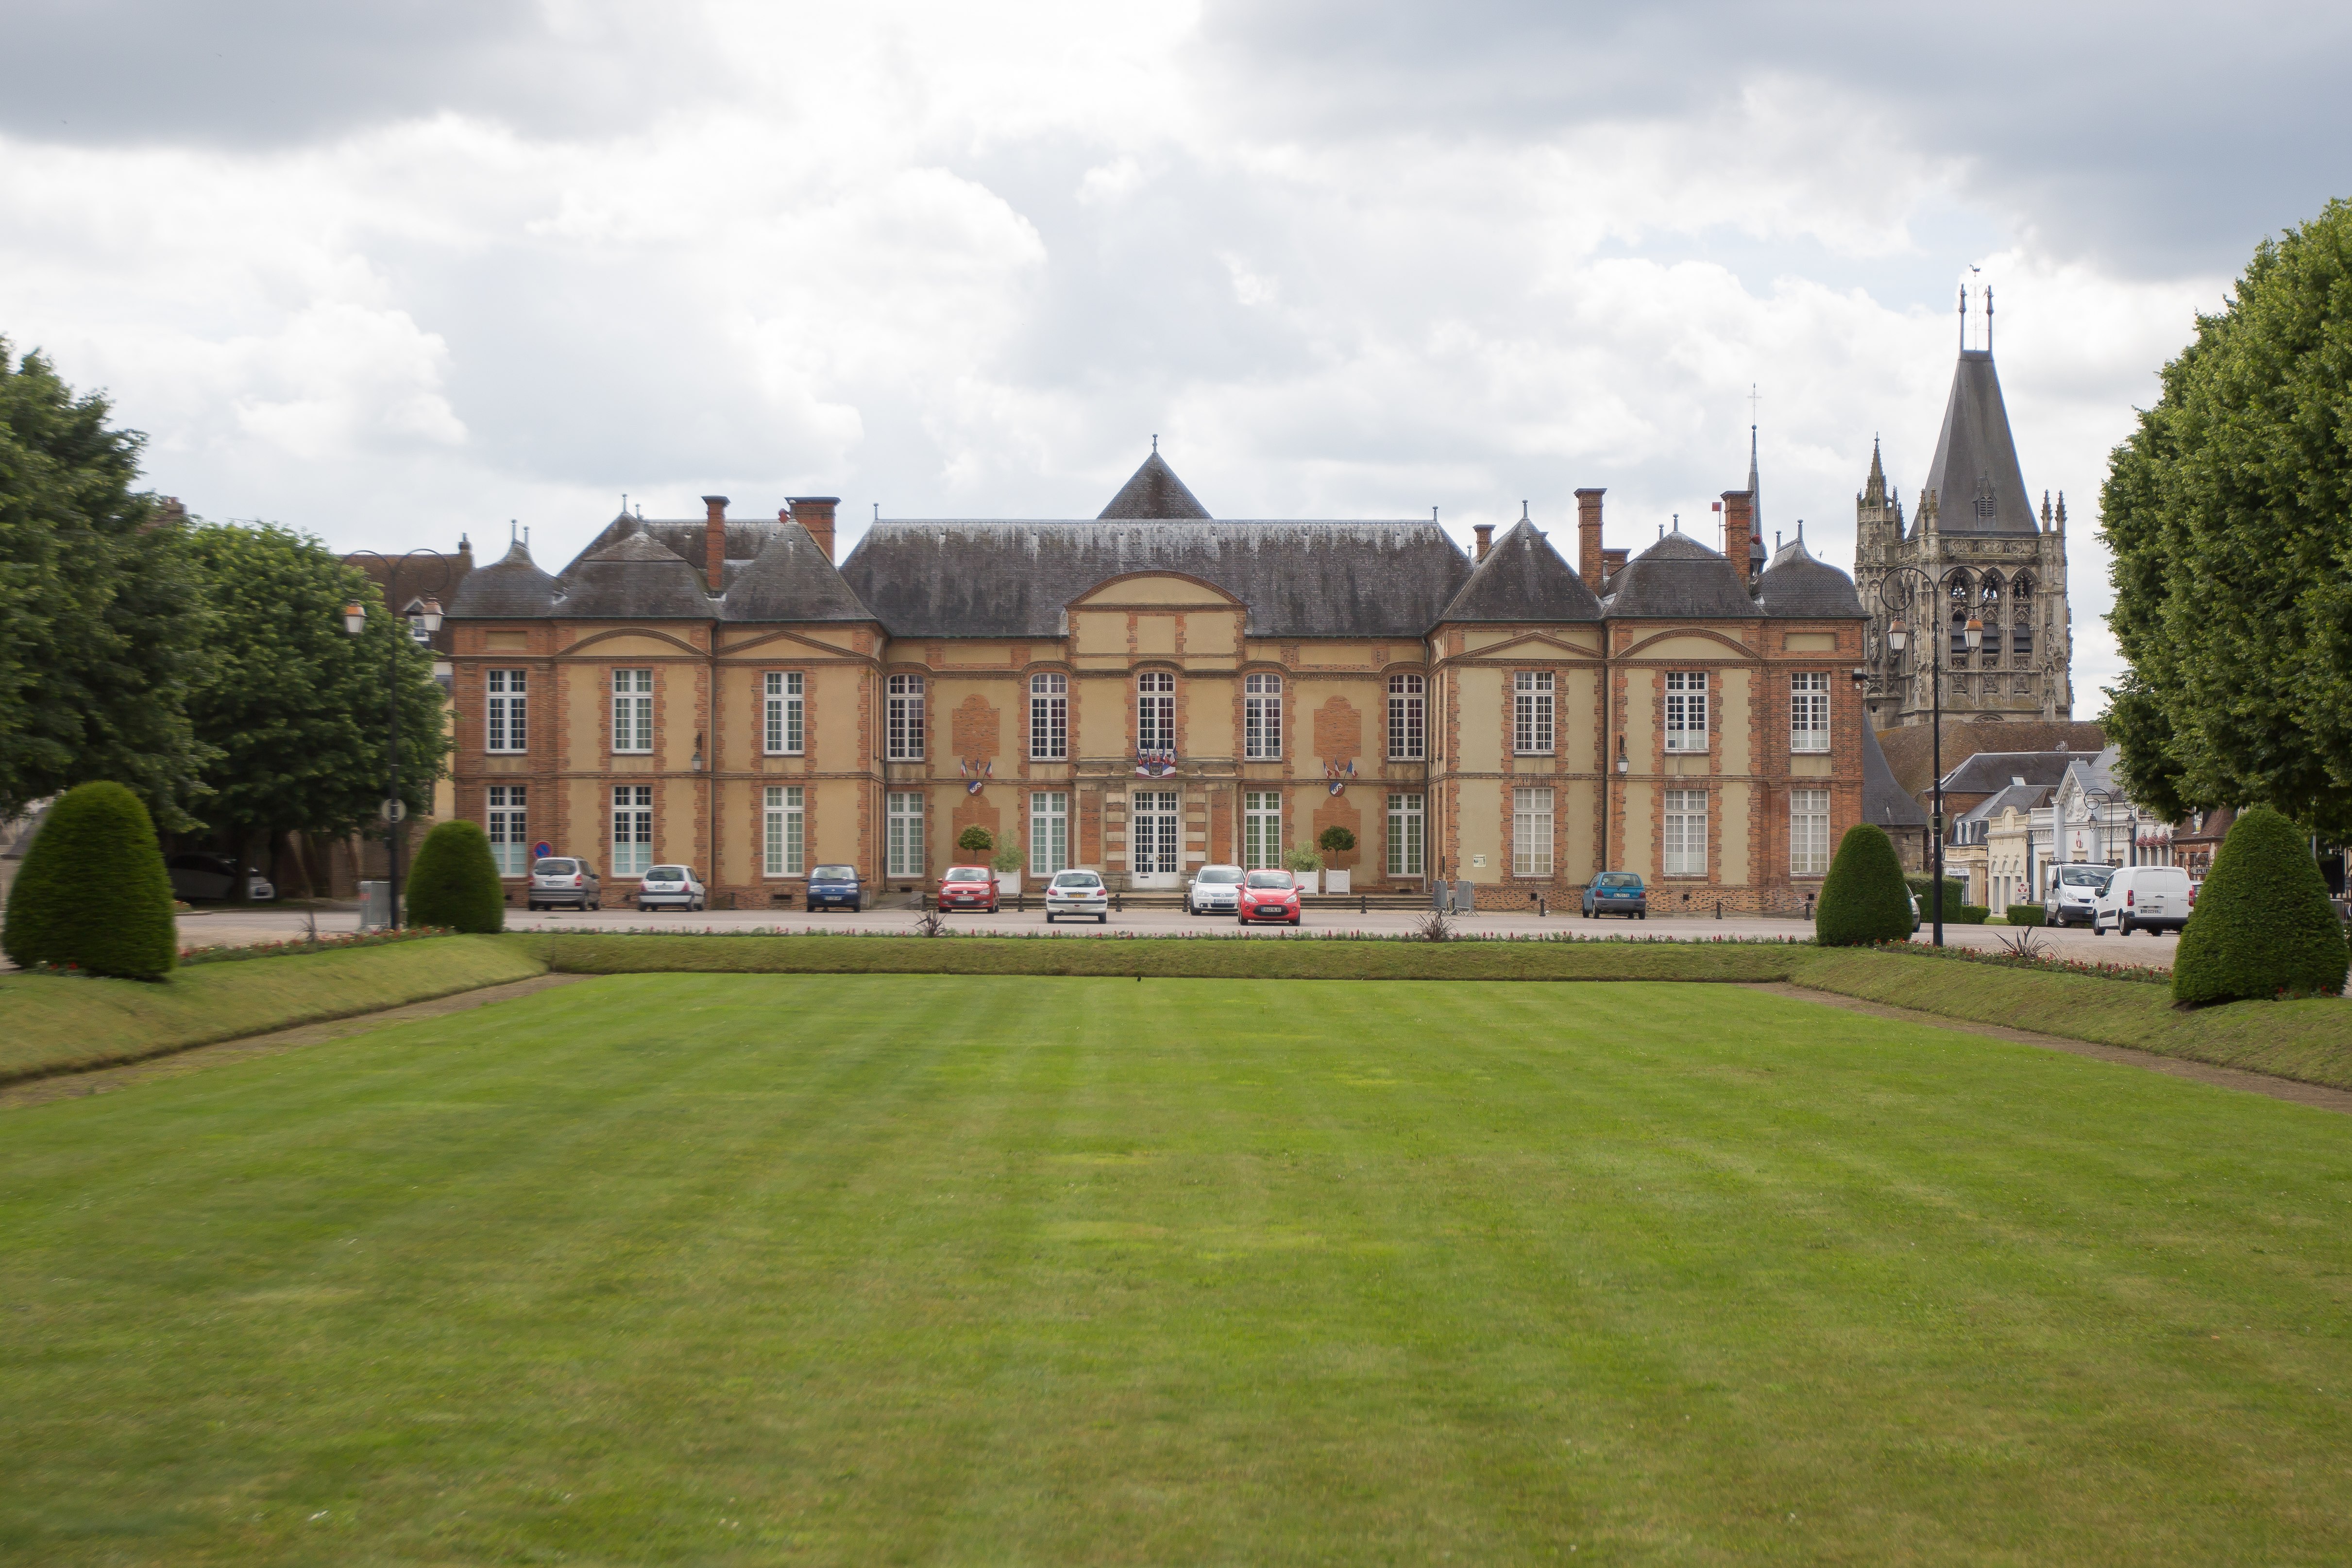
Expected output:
(455, 883)
(1864, 899)
(2262, 927)
(975, 840)
(92, 890)
(1335, 840)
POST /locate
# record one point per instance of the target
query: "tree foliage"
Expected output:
(2262, 926)
(296, 709)
(975, 840)
(92, 891)
(1863, 898)
(455, 883)
(102, 619)
(2230, 514)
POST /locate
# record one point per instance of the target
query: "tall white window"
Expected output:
(1809, 712)
(1261, 830)
(1686, 710)
(1809, 832)
(904, 718)
(1531, 713)
(633, 829)
(633, 711)
(1530, 832)
(1049, 832)
(1261, 717)
(1685, 833)
(508, 725)
(786, 839)
(1155, 711)
(903, 821)
(1406, 821)
(509, 829)
(1407, 726)
(787, 713)
(1049, 718)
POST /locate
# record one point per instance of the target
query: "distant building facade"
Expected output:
(1153, 689)
(1976, 535)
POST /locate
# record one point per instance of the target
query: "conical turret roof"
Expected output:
(793, 581)
(1523, 578)
(508, 587)
(633, 578)
(1975, 478)
(1152, 494)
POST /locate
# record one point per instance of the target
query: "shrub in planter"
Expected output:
(2026, 914)
(1302, 859)
(455, 883)
(1007, 859)
(92, 891)
(976, 841)
(1864, 899)
(2263, 924)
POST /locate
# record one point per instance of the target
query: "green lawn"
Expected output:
(891, 1269)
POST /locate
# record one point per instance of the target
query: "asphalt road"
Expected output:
(213, 928)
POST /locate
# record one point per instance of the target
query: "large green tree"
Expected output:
(2229, 514)
(298, 709)
(102, 619)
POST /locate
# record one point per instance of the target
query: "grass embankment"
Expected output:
(56, 1023)
(1166, 957)
(758, 1269)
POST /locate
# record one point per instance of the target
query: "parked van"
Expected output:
(2149, 898)
(2073, 898)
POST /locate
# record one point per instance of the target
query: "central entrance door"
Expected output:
(1151, 829)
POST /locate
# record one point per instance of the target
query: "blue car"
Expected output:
(835, 887)
(1616, 893)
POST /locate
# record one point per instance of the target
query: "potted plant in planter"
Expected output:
(1008, 868)
(1304, 865)
(1336, 840)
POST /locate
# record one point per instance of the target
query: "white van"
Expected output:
(2149, 898)
(2074, 898)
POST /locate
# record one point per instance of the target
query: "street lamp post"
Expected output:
(1915, 584)
(426, 619)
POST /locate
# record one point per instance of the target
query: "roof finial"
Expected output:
(1155, 441)
(511, 532)
(1964, 318)
(1987, 317)
(1523, 512)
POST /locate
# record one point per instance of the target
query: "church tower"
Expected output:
(1976, 535)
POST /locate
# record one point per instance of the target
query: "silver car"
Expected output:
(672, 887)
(201, 874)
(564, 879)
(1078, 893)
(1214, 890)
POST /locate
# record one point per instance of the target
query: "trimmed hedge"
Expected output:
(2026, 914)
(1956, 893)
(455, 883)
(1968, 914)
(2263, 926)
(92, 893)
(1864, 899)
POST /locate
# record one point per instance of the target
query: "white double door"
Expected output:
(1154, 836)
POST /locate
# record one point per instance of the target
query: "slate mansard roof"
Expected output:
(992, 577)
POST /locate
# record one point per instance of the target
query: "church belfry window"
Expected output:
(2020, 616)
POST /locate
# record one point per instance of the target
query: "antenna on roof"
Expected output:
(1987, 317)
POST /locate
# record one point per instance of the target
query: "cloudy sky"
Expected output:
(390, 272)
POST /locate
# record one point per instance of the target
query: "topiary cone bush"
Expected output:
(1864, 899)
(2263, 923)
(92, 891)
(455, 883)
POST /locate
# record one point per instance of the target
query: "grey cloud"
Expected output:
(274, 72)
(2155, 138)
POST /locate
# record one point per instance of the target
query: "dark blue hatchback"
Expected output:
(835, 887)
(1617, 892)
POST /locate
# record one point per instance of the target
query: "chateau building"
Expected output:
(1977, 536)
(1155, 688)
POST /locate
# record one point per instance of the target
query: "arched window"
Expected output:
(1989, 612)
(2020, 616)
(1261, 717)
(1155, 711)
(1956, 587)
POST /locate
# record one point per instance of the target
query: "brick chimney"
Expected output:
(1737, 512)
(814, 513)
(1590, 564)
(714, 540)
(1486, 532)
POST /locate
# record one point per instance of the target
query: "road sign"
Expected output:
(541, 850)
(396, 810)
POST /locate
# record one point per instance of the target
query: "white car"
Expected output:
(2073, 898)
(672, 887)
(1079, 893)
(2149, 898)
(1214, 890)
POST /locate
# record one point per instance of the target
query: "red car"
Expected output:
(967, 887)
(1269, 895)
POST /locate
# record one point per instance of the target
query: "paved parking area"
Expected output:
(275, 924)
